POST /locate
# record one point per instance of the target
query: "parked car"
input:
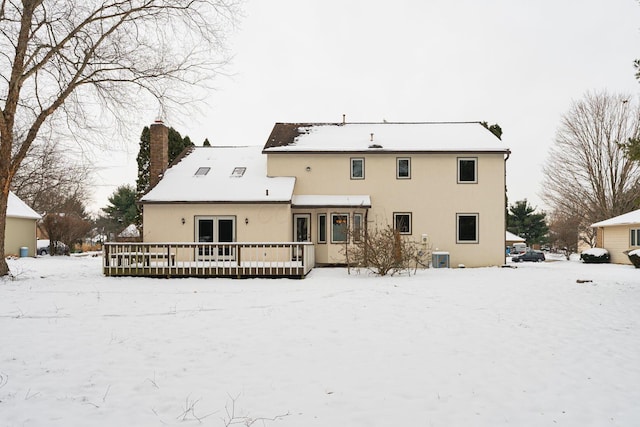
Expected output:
(529, 255)
(44, 246)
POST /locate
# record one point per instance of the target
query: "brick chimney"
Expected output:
(158, 151)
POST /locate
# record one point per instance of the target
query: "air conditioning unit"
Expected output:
(440, 259)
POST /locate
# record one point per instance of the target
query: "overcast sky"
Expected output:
(513, 62)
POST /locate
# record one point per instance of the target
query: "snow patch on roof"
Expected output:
(180, 184)
(513, 237)
(380, 137)
(632, 217)
(19, 209)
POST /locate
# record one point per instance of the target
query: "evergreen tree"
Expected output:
(206, 143)
(176, 145)
(122, 206)
(524, 222)
(142, 183)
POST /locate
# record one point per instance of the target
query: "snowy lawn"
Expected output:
(526, 346)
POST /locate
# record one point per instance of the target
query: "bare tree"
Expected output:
(565, 232)
(60, 60)
(47, 176)
(587, 175)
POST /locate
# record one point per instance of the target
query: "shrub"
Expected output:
(595, 256)
(634, 257)
(385, 251)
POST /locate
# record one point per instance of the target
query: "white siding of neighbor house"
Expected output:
(615, 239)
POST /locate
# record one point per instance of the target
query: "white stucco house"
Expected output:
(441, 183)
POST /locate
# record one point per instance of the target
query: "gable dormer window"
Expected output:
(202, 171)
(238, 172)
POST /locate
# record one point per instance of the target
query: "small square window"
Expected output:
(357, 168)
(467, 228)
(402, 222)
(238, 172)
(403, 168)
(468, 170)
(339, 227)
(202, 171)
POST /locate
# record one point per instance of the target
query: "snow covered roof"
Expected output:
(510, 237)
(383, 137)
(632, 217)
(19, 209)
(215, 174)
(130, 231)
(330, 201)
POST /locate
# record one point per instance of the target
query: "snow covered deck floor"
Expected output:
(239, 260)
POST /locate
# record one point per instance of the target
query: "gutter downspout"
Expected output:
(506, 207)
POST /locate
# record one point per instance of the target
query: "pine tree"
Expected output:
(142, 183)
(206, 143)
(176, 145)
(524, 222)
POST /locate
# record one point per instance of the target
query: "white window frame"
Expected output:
(634, 237)
(398, 160)
(351, 163)
(395, 222)
(477, 231)
(346, 228)
(475, 170)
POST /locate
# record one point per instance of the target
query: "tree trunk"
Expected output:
(4, 197)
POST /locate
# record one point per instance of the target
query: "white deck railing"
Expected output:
(186, 259)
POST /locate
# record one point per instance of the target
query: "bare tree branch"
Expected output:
(587, 174)
(63, 61)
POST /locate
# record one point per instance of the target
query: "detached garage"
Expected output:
(21, 227)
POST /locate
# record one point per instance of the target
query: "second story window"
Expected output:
(467, 170)
(403, 168)
(357, 168)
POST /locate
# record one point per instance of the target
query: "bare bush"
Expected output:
(384, 251)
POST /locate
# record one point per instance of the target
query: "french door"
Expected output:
(301, 232)
(216, 229)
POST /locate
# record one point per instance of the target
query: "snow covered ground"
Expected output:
(526, 346)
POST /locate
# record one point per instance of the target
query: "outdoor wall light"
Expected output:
(308, 169)
(246, 221)
(183, 221)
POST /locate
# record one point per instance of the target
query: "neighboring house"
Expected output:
(21, 227)
(442, 184)
(511, 238)
(619, 234)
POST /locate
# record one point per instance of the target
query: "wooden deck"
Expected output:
(237, 260)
